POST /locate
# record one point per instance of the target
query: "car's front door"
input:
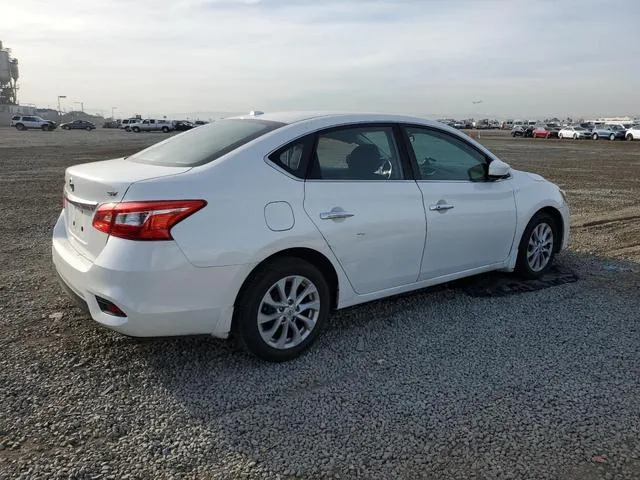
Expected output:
(360, 195)
(471, 220)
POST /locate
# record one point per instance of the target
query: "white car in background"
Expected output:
(575, 133)
(260, 225)
(633, 132)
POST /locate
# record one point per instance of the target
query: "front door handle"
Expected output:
(440, 206)
(335, 215)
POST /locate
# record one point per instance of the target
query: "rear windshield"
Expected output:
(204, 144)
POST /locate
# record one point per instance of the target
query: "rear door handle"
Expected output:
(440, 206)
(335, 215)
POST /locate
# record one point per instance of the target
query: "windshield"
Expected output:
(204, 144)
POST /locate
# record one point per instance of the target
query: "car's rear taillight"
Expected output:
(144, 220)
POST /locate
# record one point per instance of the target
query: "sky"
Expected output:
(528, 58)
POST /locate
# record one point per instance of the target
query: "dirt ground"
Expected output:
(553, 374)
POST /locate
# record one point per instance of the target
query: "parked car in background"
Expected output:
(182, 125)
(332, 215)
(545, 131)
(608, 132)
(125, 124)
(518, 131)
(633, 133)
(26, 122)
(197, 123)
(574, 132)
(78, 125)
(152, 125)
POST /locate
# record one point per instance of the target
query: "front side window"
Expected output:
(357, 153)
(204, 144)
(441, 156)
(15, 118)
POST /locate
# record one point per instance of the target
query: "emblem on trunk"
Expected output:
(71, 185)
(112, 194)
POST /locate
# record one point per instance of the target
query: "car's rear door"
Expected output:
(361, 196)
(471, 221)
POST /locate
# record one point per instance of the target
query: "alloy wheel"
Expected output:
(540, 247)
(288, 312)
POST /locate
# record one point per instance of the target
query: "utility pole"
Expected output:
(59, 112)
(81, 106)
(112, 110)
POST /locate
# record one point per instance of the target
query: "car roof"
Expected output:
(291, 117)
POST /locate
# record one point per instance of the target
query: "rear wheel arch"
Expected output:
(315, 258)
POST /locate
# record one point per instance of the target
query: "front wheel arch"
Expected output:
(558, 221)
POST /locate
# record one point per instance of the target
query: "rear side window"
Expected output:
(15, 118)
(204, 144)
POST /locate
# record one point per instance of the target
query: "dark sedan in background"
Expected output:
(78, 125)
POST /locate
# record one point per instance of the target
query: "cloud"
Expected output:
(411, 56)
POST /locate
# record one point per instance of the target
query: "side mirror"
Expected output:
(498, 169)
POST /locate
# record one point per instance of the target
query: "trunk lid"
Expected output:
(88, 185)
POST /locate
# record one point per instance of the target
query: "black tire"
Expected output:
(127, 129)
(245, 321)
(575, 136)
(136, 129)
(89, 128)
(560, 136)
(523, 268)
(612, 137)
(165, 129)
(630, 137)
(20, 126)
(594, 136)
(46, 127)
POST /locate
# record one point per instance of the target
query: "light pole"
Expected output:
(59, 112)
(112, 110)
(81, 106)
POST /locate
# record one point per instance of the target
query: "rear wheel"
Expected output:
(612, 137)
(46, 127)
(594, 136)
(20, 126)
(548, 135)
(575, 136)
(630, 137)
(536, 250)
(560, 136)
(165, 129)
(282, 309)
(89, 128)
(136, 129)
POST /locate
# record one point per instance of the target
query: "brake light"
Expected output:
(144, 220)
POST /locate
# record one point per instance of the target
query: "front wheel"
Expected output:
(46, 128)
(89, 128)
(536, 250)
(612, 137)
(560, 136)
(136, 129)
(575, 136)
(20, 126)
(594, 136)
(165, 129)
(282, 310)
(630, 137)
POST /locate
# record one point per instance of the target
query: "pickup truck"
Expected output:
(152, 125)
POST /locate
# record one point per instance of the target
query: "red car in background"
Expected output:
(545, 131)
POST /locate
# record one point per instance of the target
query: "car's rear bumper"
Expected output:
(160, 292)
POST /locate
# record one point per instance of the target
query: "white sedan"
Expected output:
(260, 225)
(574, 133)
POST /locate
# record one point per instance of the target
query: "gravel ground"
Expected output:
(434, 385)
